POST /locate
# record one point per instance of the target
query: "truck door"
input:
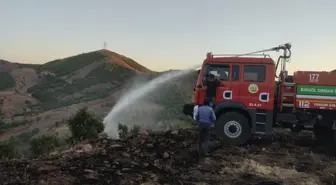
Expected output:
(256, 90)
(235, 82)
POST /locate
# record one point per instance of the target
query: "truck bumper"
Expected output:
(188, 109)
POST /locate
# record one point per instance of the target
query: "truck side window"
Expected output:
(254, 73)
(235, 73)
(220, 70)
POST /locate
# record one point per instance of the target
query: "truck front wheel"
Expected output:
(233, 128)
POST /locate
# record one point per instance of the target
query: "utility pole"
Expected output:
(105, 45)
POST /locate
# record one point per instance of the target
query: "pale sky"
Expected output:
(168, 34)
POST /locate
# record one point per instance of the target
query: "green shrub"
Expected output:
(21, 142)
(125, 132)
(135, 130)
(35, 131)
(84, 125)
(28, 103)
(25, 136)
(7, 150)
(7, 80)
(43, 144)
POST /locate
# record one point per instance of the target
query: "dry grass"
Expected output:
(290, 176)
(266, 165)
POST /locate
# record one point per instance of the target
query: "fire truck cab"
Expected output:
(245, 104)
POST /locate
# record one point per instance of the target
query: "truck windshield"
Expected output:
(219, 70)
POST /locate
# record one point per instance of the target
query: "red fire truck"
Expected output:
(254, 99)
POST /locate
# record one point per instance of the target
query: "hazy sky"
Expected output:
(168, 34)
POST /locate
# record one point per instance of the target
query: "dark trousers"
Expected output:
(203, 138)
(211, 101)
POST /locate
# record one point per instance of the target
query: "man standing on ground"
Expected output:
(211, 83)
(205, 117)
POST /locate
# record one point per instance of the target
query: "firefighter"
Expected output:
(205, 117)
(211, 82)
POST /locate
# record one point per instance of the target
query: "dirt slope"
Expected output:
(171, 158)
(24, 78)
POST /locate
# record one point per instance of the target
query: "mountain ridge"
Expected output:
(113, 57)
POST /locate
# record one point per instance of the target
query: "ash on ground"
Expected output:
(171, 158)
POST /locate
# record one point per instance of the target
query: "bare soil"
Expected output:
(24, 78)
(171, 158)
(14, 103)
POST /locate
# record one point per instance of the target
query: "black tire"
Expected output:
(237, 121)
(323, 135)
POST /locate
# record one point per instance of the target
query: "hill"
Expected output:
(38, 96)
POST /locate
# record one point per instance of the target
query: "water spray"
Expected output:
(112, 120)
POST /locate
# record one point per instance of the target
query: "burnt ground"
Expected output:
(171, 158)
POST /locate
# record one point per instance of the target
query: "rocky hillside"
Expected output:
(49, 93)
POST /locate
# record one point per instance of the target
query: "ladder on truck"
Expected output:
(286, 103)
(287, 98)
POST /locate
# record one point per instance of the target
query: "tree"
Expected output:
(43, 144)
(7, 150)
(84, 125)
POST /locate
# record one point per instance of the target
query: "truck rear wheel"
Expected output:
(233, 128)
(323, 132)
(323, 135)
